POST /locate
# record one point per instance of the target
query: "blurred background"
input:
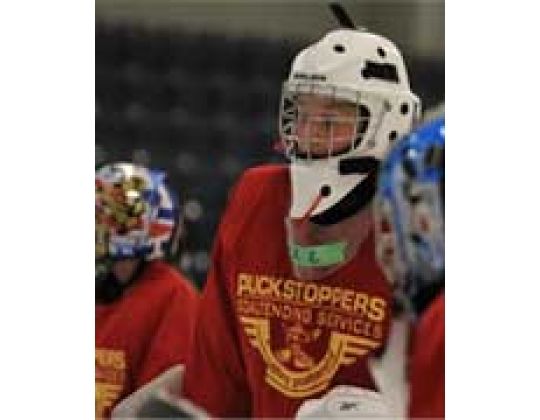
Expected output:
(193, 87)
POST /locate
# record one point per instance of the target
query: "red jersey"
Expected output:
(266, 340)
(427, 363)
(146, 331)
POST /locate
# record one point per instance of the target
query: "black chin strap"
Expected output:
(358, 197)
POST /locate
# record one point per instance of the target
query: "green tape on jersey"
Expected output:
(319, 255)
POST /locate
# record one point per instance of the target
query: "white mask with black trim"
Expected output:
(346, 100)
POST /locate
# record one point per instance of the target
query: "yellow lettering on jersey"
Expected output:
(303, 310)
(110, 376)
(295, 291)
(377, 307)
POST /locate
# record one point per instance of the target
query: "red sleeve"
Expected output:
(427, 364)
(173, 338)
(215, 377)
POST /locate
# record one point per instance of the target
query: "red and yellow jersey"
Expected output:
(146, 331)
(266, 340)
(426, 368)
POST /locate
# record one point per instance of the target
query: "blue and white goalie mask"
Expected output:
(410, 216)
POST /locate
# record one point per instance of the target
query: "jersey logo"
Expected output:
(290, 369)
(305, 331)
(293, 353)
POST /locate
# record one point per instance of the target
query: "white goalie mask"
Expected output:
(346, 100)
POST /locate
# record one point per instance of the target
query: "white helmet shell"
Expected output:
(362, 68)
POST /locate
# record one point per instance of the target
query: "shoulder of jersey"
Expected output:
(259, 197)
(170, 278)
(257, 180)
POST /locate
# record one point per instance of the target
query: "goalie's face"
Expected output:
(325, 126)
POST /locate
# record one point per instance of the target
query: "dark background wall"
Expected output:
(201, 101)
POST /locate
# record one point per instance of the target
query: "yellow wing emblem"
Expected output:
(342, 349)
